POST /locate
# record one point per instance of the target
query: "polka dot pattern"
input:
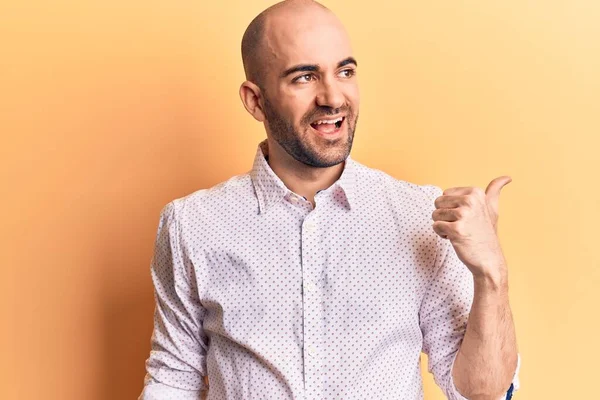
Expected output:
(272, 298)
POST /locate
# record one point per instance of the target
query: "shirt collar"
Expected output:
(270, 189)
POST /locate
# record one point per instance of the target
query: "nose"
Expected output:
(330, 95)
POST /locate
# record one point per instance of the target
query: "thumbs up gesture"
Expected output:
(468, 217)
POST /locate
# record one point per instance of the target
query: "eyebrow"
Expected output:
(315, 67)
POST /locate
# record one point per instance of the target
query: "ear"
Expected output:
(250, 95)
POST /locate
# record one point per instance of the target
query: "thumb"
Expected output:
(493, 189)
(492, 193)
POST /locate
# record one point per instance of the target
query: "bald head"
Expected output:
(300, 71)
(255, 47)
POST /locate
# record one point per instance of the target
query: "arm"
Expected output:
(176, 367)
(445, 317)
(487, 360)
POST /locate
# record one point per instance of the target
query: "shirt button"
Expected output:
(310, 227)
(310, 286)
(311, 350)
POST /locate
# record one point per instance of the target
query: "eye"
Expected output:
(348, 73)
(303, 78)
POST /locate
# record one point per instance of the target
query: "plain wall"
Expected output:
(110, 109)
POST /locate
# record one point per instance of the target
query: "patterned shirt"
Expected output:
(272, 298)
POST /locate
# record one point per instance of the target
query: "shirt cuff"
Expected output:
(453, 393)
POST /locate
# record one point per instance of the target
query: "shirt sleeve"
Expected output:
(177, 365)
(443, 317)
(506, 396)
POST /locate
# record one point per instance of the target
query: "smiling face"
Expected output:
(309, 92)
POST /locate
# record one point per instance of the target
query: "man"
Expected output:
(316, 277)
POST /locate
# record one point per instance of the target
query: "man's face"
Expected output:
(310, 82)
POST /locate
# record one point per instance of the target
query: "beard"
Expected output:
(298, 144)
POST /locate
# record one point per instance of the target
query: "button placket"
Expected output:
(312, 310)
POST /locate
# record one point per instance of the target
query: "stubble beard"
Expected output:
(292, 142)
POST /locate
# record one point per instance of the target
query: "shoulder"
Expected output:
(236, 191)
(396, 189)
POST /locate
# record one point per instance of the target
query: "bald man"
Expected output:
(313, 276)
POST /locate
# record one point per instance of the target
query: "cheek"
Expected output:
(354, 98)
(297, 103)
(298, 110)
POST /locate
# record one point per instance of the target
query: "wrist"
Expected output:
(495, 281)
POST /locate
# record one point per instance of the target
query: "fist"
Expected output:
(468, 217)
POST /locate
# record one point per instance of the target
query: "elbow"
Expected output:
(481, 390)
(487, 394)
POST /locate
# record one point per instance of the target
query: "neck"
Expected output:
(300, 178)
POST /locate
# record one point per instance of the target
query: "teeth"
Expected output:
(333, 121)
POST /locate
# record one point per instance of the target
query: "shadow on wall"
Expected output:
(158, 158)
(127, 297)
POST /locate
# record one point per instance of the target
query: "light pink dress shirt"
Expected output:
(274, 299)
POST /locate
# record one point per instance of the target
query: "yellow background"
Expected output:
(110, 109)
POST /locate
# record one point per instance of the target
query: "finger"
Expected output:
(492, 192)
(451, 201)
(446, 214)
(443, 228)
(458, 190)
(496, 184)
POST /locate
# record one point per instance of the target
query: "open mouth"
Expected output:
(328, 126)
